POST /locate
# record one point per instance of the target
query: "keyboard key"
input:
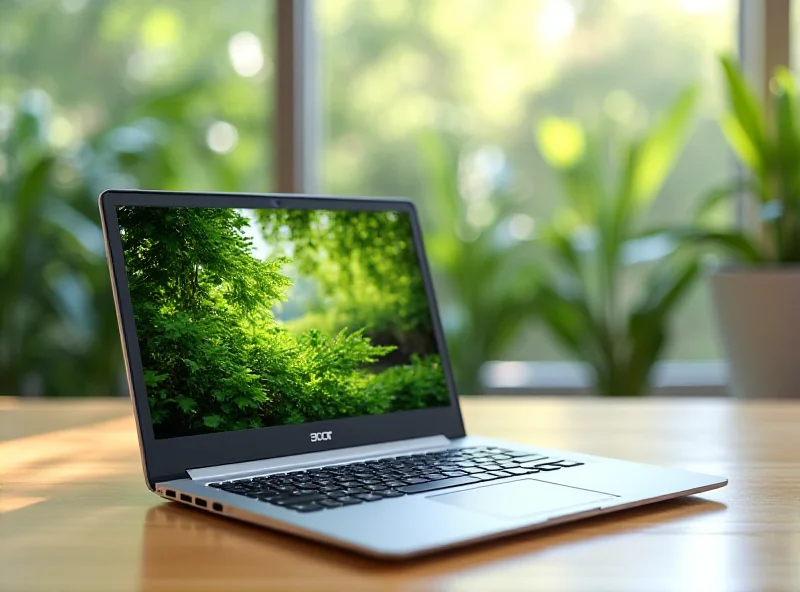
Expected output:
(508, 465)
(442, 484)
(490, 467)
(472, 471)
(298, 492)
(297, 499)
(485, 476)
(307, 507)
(355, 490)
(500, 473)
(369, 497)
(348, 501)
(415, 480)
(268, 497)
(454, 473)
(394, 483)
(336, 494)
(376, 488)
(568, 463)
(548, 467)
(530, 458)
(519, 471)
(392, 493)
(329, 503)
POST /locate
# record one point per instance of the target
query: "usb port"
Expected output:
(186, 498)
(200, 502)
(217, 506)
(170, 493)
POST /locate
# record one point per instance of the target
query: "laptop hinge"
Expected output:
(314, 459)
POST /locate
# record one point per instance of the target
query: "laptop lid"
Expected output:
(260, 326)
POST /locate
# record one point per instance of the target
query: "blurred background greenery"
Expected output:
(436, 100)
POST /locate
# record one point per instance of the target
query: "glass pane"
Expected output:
(485, 74)
(155, 94)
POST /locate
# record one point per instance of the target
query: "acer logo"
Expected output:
(320, 436)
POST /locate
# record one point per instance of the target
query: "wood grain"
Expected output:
(75, 514)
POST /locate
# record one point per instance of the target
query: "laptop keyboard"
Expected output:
(338, 486)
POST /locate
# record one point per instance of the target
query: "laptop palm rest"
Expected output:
(517, 499)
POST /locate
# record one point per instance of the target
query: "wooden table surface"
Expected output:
(75, 513)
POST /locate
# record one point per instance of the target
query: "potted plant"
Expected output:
(757, 297)
(609, 283)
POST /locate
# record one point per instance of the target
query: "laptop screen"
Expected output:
(255, 318)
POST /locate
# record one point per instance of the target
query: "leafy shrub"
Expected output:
(418, 385)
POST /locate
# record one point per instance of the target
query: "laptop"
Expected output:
(288, 368)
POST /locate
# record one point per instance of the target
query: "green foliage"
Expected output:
(595, 250)
(57, 326)
(368, 276)
(215, 357)
(767, 143)
(418, 385)
(66, 135)
(484, 276)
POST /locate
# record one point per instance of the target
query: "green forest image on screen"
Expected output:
(256, 318)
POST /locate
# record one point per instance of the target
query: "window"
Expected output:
(486, 73)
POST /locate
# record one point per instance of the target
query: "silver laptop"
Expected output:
(287, 366)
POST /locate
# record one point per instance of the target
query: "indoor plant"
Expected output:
(483, 277)
(609, 284)
(757, 297)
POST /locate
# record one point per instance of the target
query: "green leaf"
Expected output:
(212, 421)
(787, 140)
(186, 404)
(660, 148)
(732, 191)
(151, 379)
(735, 243)
(749, 133)
(647, 326)
(568, 317)
(742, 144)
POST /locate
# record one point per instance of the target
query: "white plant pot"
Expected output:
(759, 318)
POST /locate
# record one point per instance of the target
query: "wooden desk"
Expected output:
(75, 514)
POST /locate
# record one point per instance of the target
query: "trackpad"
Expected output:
(525, 497)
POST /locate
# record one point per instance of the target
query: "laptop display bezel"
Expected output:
(170, 458)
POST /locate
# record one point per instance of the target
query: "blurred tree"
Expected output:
(121, 95)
